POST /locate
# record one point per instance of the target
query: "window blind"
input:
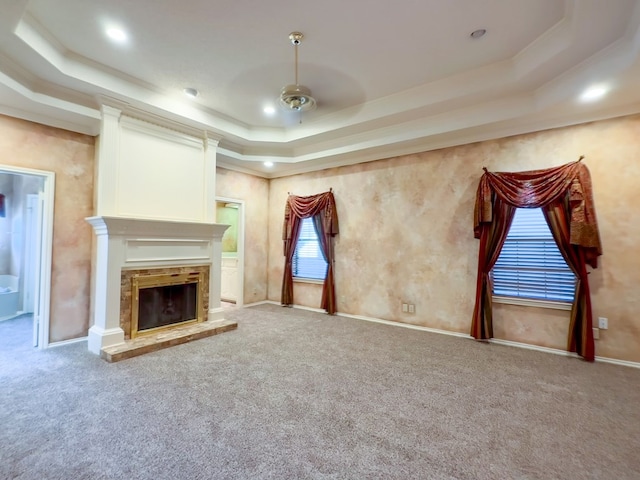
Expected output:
(308, 261)
(530, 264)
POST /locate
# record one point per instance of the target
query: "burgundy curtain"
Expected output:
(323, 228)
(289, 249)
(558, 214)
(550, 189)
(491, 241)
(322, 208)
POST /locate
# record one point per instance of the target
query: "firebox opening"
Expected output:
(164, 301)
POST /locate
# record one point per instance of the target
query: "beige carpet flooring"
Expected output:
(293, 394)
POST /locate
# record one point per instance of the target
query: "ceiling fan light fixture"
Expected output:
(296, 97)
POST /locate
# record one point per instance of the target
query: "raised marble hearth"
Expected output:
(166, 338)
(138, 342)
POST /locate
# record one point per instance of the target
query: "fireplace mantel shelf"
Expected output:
(131, 227)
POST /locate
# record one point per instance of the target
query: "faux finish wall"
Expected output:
(406, 229)
(255, 193)
(406, 234)
(71, 157)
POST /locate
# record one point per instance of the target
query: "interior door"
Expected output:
(33, 259)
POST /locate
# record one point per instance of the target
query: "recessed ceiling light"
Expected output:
(269, 110)
(593, 93)
(191, 92)
(268, 164)
(478, 33)
(116, 34)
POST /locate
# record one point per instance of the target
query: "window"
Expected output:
(530, 265)
(308, 261)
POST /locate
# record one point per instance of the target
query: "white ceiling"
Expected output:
(390, 78)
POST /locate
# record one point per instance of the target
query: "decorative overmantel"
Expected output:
(131, 243)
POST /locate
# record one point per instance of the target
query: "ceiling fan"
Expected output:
(296, 97)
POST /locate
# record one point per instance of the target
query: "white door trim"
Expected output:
(240, 289)
(44, 294)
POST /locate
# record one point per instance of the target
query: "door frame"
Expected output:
(240, 286)
(42, 307)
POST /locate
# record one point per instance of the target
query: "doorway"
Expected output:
(26, 237)
(230, 211)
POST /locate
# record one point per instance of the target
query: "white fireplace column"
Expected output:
(106, 329)
(129, 243)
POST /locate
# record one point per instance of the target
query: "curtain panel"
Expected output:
(565, 195)
(322, 208)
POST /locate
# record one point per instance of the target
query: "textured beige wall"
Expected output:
(405, 223)
(71, 157)
(255, 193)
(406, 234)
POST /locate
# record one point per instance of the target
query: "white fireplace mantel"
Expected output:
(131, 243)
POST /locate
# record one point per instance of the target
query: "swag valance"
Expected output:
(538, 188)
(322, 208)
(565, 196)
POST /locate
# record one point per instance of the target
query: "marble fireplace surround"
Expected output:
(128, 304)
(141, 244)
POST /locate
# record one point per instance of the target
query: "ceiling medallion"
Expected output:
(296, 97)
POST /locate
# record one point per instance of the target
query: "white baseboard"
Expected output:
(497, 341)
(273, 302)
(261, 302)
(537, 348)
(565, 353)
(310, 309)
(405, 325)
(67, 342)
(615, 361)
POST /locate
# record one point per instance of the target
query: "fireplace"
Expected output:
(163, 301)
(161, 298)
(156, 259)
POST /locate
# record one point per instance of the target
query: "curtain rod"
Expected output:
(330, 191)
(579, 159)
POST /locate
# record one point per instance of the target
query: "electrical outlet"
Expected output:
(412, 308)
(405, 307)
(603, 323)
(596, 333)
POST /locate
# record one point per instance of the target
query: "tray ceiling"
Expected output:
(389, 78)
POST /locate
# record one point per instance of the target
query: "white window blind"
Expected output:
(308, 261)
(530, 264)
